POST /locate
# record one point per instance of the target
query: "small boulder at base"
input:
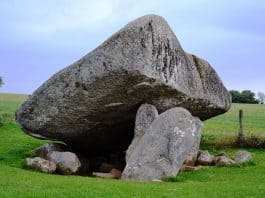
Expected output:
(164, 146)
(223, 161)
(43, 150)
(144, 117)
(242, 157)
(222, 153)
(204, 158)
(41, 165)
(67, 162)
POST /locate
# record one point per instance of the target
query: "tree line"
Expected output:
(1, 81)
(247, 96)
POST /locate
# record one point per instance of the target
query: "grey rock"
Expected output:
(222, 153)
(204, 158)
(144, 117)
(242, 157)
(192, 156)
(224, 161)
(164, 146)
(43, 150)
(41, 165)
(216, 158)
(91, 104)
(67, 162)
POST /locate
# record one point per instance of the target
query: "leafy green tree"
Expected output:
(1, 81)
(236, 96)
(246, 96)
(261, 97)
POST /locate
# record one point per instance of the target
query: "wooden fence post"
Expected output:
(240, 131)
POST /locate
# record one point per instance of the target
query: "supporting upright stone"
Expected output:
(192, 157)
(164, 147)
(144, 117)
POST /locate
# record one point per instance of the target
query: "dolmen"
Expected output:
(138, 93)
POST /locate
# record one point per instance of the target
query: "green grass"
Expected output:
(225, 127)
(243, 181)
(9, 104)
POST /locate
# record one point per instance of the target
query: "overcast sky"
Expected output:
(38, 37)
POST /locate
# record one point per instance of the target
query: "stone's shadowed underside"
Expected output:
(91, 104)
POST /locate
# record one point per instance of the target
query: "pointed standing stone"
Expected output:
(144, 117)
(164, 147)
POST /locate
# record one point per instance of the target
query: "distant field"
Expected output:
(12, 97)
(225, 127)
(244, 181)
(8, 105)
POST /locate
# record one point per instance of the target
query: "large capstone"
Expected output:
(91, 104)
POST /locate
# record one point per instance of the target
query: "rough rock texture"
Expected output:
(91, 104)
(193, 154)
(43, 150)
(224, 161)
(222, 153)
(164, 147)
(204, 158)
(242, 157)
(144, 117)
(67, 162)
(41, 165)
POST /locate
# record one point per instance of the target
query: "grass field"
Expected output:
(224, 128)
(238, 181)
